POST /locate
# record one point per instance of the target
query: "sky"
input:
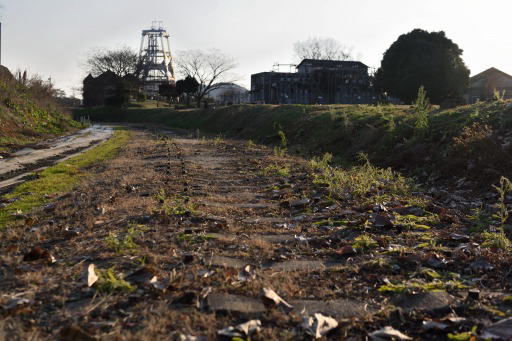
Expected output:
(54, 37)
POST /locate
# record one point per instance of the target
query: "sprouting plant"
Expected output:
(251, 144)
(496, 240)
(173, 204)
(321, 164)
(190, 239)
(281, 150)
(502, 214)
(499, 95)
(108, 282)
(276, 170)
(364, 242)
(479, 219)
(218, 140)
(125, 242)
(421, 109)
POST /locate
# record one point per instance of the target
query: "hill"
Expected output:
(28, 112)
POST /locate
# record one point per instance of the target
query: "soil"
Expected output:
(185, 234)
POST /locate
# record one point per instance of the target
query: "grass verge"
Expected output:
(57, 179)
(472, 141)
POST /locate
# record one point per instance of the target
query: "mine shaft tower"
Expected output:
(155, 59)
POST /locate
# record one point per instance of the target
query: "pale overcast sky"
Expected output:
(52, 37)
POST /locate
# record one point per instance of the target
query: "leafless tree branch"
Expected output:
(209, 68)
(321, 48)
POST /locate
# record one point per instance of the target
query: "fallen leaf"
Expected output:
(35, 254)
(246, 274)
(242, 330)
(388, 333)
(318, 325)
(183, 337)
(270, 296)
(90, 275)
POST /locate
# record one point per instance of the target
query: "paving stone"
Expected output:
(269, 220)
(226, 262)
(298, 265)
(275, 238)
(235, 304)
(427, 302)
(230, 204)
(340, 308)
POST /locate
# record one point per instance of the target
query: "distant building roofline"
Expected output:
(491, 69)
(330, 61)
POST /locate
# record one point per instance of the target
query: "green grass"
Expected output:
(60, 178)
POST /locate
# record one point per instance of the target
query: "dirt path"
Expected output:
(202, 230)
(14, 168)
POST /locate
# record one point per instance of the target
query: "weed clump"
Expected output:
(109, 283)
(280, 151)
(422, 108)
(364, 242)
(276, 170)
(359, 182)
(177, 205)
(127, 242)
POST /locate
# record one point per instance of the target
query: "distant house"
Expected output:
(315, 82)
(230, 93)
(483, 85)
(108, 89)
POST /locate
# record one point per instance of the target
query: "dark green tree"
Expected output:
(168, 91)
(421, 58)
(188, 86)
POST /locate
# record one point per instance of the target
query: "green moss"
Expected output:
(190, 239)
(417, 285)
(60, 178)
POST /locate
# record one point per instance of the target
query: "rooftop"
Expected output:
(326, 62)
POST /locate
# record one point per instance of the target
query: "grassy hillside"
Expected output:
(28, 112)
(471, 141)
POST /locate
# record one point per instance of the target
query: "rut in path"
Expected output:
(197, 228)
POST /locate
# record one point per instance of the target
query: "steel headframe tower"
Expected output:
(155, 59)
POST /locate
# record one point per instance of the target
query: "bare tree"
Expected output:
(122, 61)
(209, 68)
(321, 48)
